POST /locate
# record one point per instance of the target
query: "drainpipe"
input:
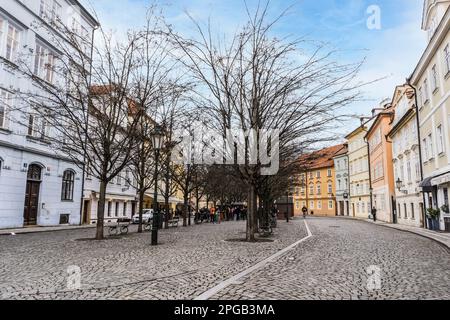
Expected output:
(370, 174)
(83, 179)
(424, 216)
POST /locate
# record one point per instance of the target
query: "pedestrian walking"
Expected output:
(305, 211)
(374, 214)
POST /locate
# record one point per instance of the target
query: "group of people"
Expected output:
(218, 214)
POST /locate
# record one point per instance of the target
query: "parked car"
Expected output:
(147, 216)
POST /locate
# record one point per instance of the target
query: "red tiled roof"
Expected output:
(322, 158)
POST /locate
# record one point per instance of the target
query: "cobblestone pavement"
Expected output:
(188, 262)
(336, 262)
(330, 265)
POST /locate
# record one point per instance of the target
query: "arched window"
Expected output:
(34, 172)
(67, 185)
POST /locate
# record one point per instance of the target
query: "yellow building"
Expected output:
(358, 157)
(317, 188)
(431, 78)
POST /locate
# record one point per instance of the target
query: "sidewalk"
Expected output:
(4, 232)
(441, 237)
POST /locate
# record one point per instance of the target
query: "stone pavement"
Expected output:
(338, 263)
(442, 237)
(332, 264)
(188, 262)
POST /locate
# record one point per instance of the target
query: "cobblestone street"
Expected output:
(332, 264)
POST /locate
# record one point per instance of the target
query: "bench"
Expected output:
(174, 222)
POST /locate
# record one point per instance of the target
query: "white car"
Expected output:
(147, 216)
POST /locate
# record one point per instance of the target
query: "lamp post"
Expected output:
(157, 137)
(399, 184)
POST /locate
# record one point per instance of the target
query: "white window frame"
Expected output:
(330, 204)
(6, 41)
(44, 62)
(425, 92)
(440, 140)
(6, 99)
(434, 79)
(447, 57)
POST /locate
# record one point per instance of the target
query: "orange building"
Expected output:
(316, 185)
(381, 167)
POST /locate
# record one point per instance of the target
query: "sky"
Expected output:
(391, 51)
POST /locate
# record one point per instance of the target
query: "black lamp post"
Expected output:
(157, 137)
(399, 184)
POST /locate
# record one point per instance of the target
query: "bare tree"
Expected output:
(85, 103)
(256, 81)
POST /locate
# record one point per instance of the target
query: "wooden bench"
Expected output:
(174, 222)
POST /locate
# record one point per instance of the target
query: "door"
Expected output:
(33, 187)
(341, 208)
(86, 209)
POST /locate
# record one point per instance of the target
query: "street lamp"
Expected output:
(157, 137)
(399, 184)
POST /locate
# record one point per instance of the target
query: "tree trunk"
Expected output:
(185, 210)
(251, 213)
(141, 209)
(101, 211)
(166, 204)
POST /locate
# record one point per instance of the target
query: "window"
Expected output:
(109, 208)
(12, 43)
(440, 141)
(318, 174)
(447, 57)
(9, 40)
(124, 209)
(329, 173)
(119, 179)
(426, 153)
(297, 205)
(319, 204)
(406, 210)
(420, 97)
(330, 188)
(117, 209)
(50, 10)
(319, 189)
(311, 189)
(330, 204)
(426, 98)
(44, 63)
(5, 103)
(399, 213)
(340, 184)
(413, 214)
(37, 126)
(408, 170)
(311, 204)
(446, 196)
(68, 185)
(434, 79)
(430, 146)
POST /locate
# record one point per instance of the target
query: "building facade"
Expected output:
(406, 159)
(37, 187)
(342, 180)
(431, 79)
(359, 179)
(317, 190)
(380, 164)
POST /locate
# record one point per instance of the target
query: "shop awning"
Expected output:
(442, 179)
(426, 185)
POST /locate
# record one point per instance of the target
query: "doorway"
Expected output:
(31, 206)
(86, 210)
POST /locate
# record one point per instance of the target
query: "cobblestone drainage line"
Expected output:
(235, 279)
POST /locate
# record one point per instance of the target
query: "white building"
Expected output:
(121, 199)
(36, 186)
(431, 78)
(342, 181)
(406, 159)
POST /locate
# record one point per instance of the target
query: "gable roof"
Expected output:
(321, 158)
